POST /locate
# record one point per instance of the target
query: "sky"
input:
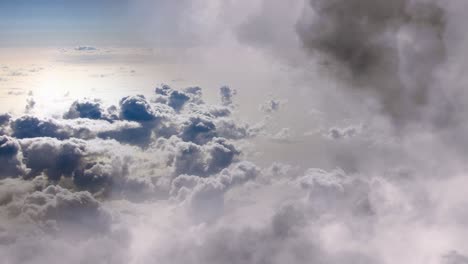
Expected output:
(55, 23)
(221, 131)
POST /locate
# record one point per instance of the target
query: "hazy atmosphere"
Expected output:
(233, 132)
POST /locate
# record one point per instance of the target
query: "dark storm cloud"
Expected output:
(391, 48)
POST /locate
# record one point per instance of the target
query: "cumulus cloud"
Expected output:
(194, 141)
(65, 210)
(154, 176)
(11, 158)
(91, 109)
(4, 123)
(52, 156)
(4, 119)
(201, 160)
(31, 127)
(137, 108)
(177, 99)
(204, 196)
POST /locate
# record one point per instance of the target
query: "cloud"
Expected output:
(190, 158)
(204, 196)
(66, 210)
(337, 192)
(146, 179)
(85, 48)
(227, 95)
(177, 99)
(188, 141)
(4, 119)
(54, 219)
(53, 157)
(17, 73)
(30, 104)
(454, 257)
(36, 69)
(270, 106)
(11, 158)
(86, 108)
(391, 49)
(284, 135)
(342, 133)
(31, 127)
(137, 108)
(15, 92)
(198, 129)
(5, 124)
(130, 133)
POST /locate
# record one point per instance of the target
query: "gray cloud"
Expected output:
(136, 108)
(342, 133)
(11, 158)
(52, 156)
(30, 104)
(86, 48)
(454, 257)
(91, 109)
(205, 196)
(390, 48)
(31, 126)
(227, 95)
(270, 106)
(159, 179)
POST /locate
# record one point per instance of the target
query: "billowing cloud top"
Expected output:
(152, 177)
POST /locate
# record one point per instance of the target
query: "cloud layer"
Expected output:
(150, 178)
